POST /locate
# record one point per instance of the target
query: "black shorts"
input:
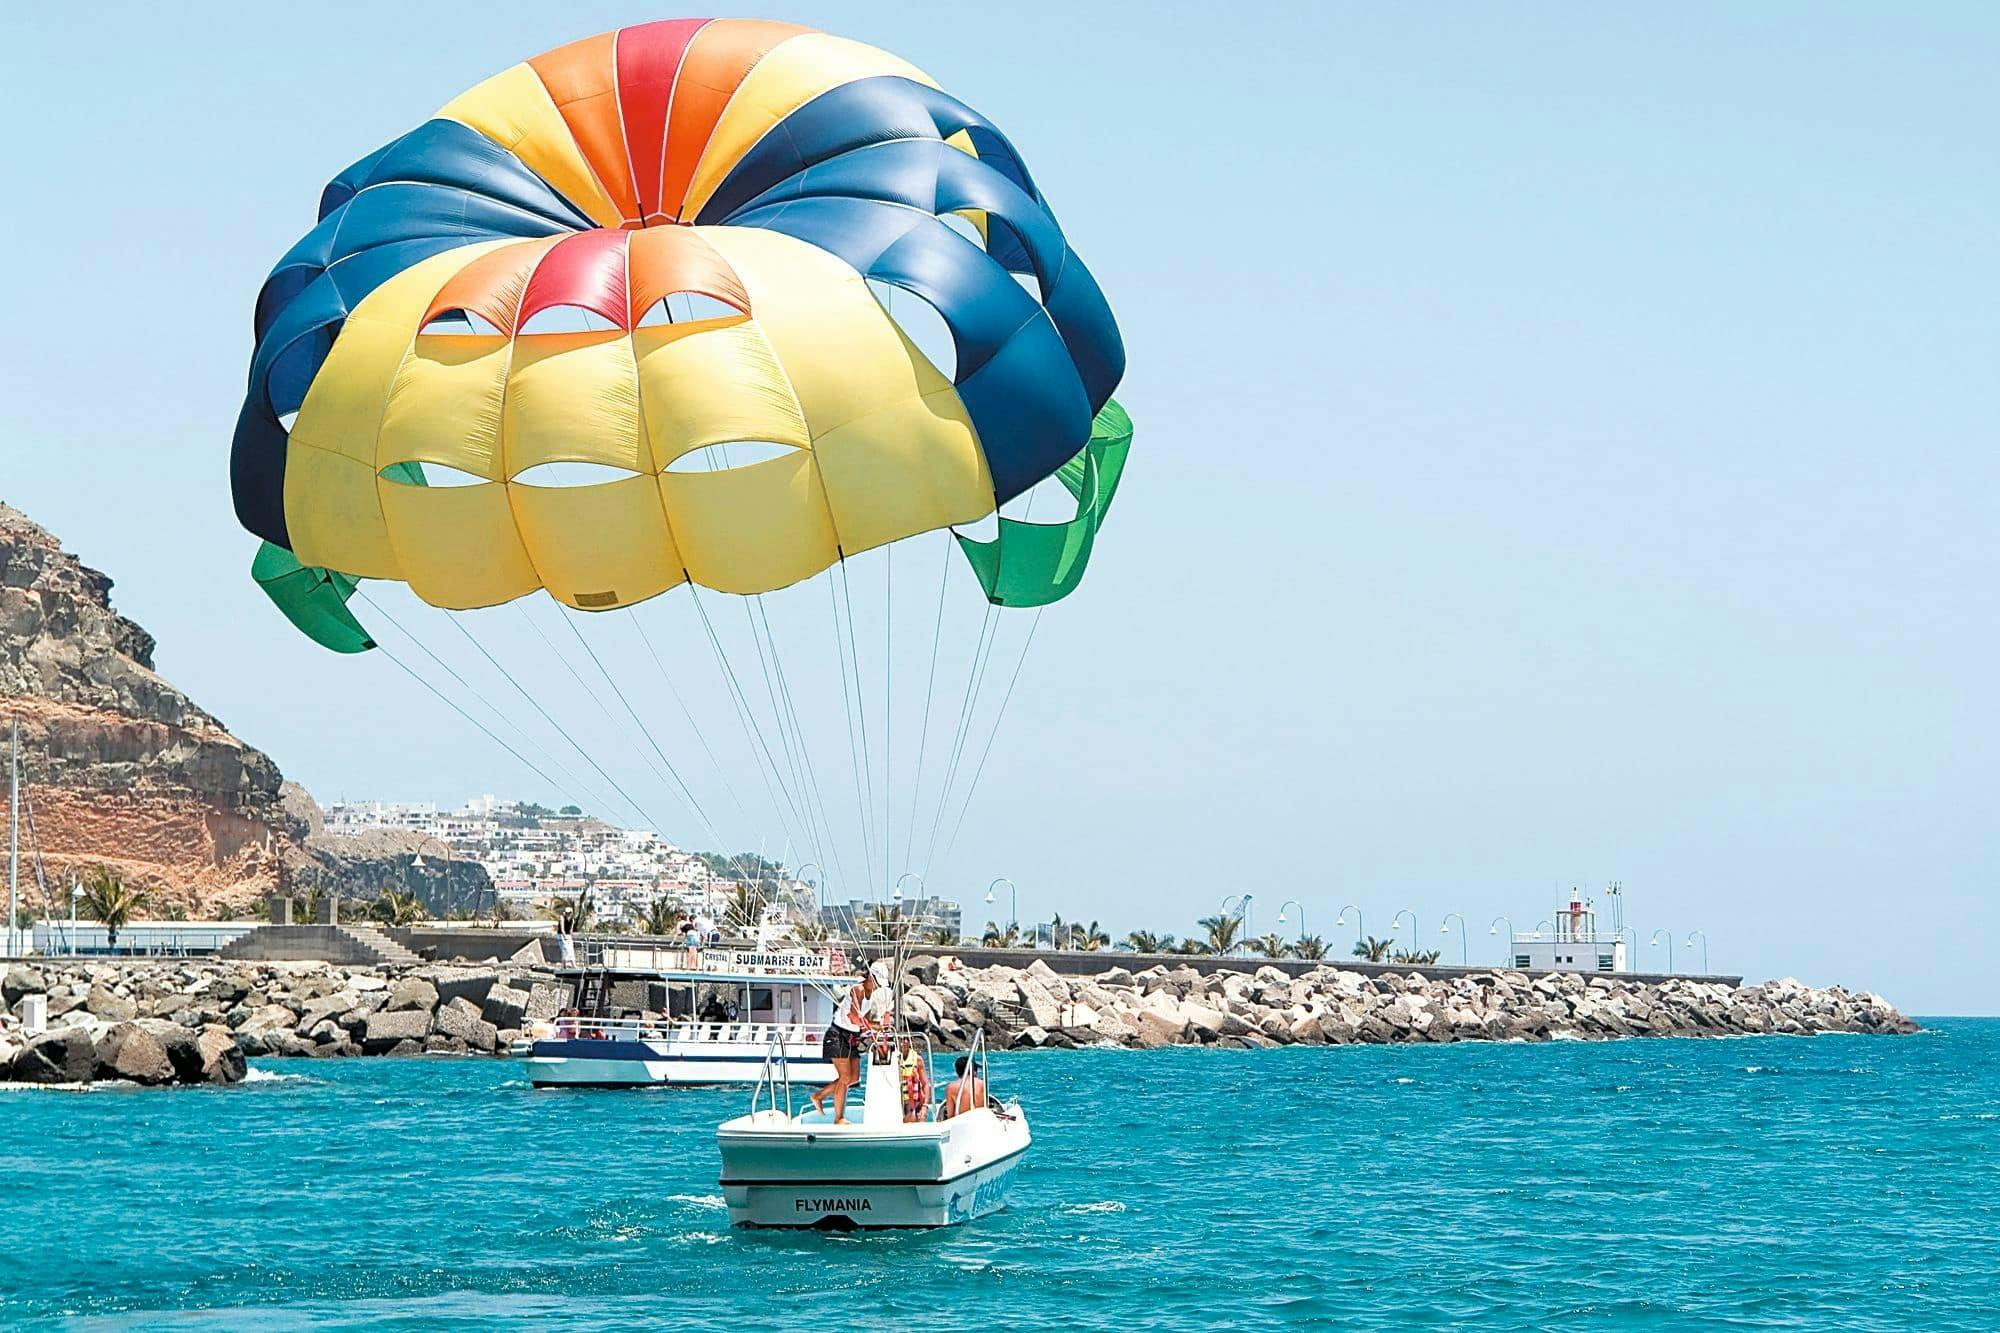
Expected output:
(840, 1044)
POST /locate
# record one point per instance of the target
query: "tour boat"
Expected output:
(781, 1169)
(719, 1013)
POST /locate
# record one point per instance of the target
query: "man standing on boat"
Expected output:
(865, 1006)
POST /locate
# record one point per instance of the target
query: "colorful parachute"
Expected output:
(659, 252)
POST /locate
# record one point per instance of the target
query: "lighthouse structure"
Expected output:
(1574, 944)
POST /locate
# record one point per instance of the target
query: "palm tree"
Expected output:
(662, 916)
(395, 908)
(998, 938)
(883, 922)
(1145, 941)
(1090, 937)
(811, 932)
(1372, 949)
(940, 935)
(1221, 932)
(1310, 947)
(1059, 931)
(108, 898)
(1414, 956)
(580, 906)
(1269, 945)
(745, 909)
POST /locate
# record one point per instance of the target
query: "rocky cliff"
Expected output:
(122, 769)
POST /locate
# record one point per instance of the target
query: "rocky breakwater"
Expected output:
(1331, 1006)
(195, 1022)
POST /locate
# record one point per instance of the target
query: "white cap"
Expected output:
(879, 969)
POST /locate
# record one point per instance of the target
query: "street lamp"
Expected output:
(1494, 929)
(1704, 948)
(417, 862)
(75, 896)
(1414, 935)
(1241, 912)
(819, 884)
(1341, 920)
(1293, 902)
(897, 893)
(1013, 901)
(1464, 952)
(1654, 942)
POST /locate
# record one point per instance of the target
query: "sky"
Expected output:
(1564, 455)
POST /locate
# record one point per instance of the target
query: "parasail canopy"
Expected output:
(662, 263)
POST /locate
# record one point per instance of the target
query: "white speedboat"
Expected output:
(725, 1010)
(781, 1169)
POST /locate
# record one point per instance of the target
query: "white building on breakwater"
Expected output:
(1573, 944)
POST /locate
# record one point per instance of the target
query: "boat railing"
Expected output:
(777, 1073)
(575, 1027)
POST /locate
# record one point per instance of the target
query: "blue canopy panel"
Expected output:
(438, 187)
(1031, 375)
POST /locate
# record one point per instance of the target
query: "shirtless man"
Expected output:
(965, 1093)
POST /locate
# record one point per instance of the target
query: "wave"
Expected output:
(705, 1200)
(256, 1075)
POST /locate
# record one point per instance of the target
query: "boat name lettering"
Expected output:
(790, 962)
(832, 1206)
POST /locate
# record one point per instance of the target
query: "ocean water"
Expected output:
(1752, 1183)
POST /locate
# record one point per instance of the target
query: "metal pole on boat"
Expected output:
(14, 837)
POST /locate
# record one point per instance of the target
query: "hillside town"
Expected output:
(538, 858)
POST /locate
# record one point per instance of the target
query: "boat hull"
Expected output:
(583, 1063)
(924, 1175)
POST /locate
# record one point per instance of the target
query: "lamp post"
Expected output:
(75, 896)
(1654, 942)
(417, 862)
(1013, 902)
(1508, 955)
(819, 884)
(1293, 902)
(1704, 948)
(1414, 935)
(1359, 928)
(1241, 912)
(1464, 950)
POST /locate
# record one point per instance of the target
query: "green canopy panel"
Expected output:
(313, 599)
(1034, 564)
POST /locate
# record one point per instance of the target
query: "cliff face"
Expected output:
(122, 769)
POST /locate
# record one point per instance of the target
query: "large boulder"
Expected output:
(20, 980)
(464, 983)
(1156, 1028)
(411, 995)
(266, 1020)
(505, 1008)
(67, 1055)
(109, 1005)
(460, 1019)
(147, 1040)
(384, 1031)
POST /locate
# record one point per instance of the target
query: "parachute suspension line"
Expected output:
(686, 795)
(888, 711)
(930, 685)
(535, 704)
(861, 717)
(831, 845)
(750, 738)
(778, 717)
(583, 685)
(706, 748)
(980, 768)
(747, 716)
(975, 676)
(453, 705)
(855, 752)
(576, 784)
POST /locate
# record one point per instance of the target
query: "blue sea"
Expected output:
(1751, 1183)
